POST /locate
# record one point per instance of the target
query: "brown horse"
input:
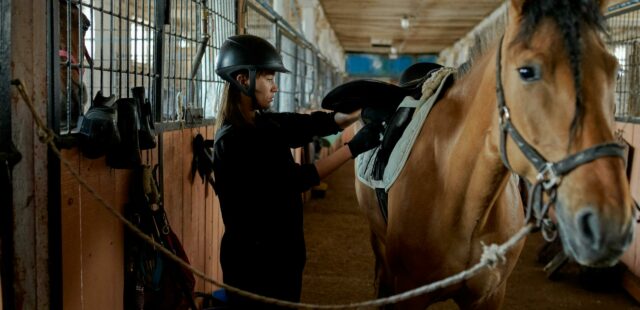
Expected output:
(73, 25)
(550, 121)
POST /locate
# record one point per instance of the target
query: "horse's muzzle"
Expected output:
(592, 240)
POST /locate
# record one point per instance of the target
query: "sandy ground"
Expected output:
(340, 263)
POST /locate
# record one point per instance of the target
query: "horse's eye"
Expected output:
(529, 73)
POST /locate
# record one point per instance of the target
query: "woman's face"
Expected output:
(266, 89)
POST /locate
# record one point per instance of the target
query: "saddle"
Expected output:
(381, 102)
(99, 127)
(365, 93)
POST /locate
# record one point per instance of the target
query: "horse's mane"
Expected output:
(570, 16)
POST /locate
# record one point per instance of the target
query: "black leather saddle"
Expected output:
(98, 127)
(365, 93)
(369, 93)
(379, 102)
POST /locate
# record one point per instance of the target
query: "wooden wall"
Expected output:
(93, 252)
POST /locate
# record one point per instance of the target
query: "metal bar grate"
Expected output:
(311, 75)
(624, 43)
(121, 42)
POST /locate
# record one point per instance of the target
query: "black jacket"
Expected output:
(259, 186)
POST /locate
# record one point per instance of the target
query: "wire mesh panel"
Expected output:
(624, 42)
(327, 77)
(306, 84)
(110, 46)
(190, 85)
(104, 46)
(287, 82)
(259, 24)
(310, 99)
(224, 25)
(323, 88)
(300, 73)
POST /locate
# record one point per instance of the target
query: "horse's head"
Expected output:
(73, 25)
(558, 83)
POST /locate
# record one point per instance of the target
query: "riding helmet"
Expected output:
(247, 52)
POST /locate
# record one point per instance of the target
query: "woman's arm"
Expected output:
(332, 162)
(367, 138)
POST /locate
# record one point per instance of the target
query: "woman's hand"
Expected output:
(367, 138)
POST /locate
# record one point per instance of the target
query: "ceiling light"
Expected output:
(393, 52)
(404, 22)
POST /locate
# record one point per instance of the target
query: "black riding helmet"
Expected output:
(247, 52)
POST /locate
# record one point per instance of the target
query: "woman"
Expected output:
(257, 181)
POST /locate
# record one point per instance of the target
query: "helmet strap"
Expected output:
(252, 83)
(252, 88)
(250, 91)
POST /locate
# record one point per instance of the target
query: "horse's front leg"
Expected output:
(382, 279)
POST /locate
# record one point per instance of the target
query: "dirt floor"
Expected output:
(340, 263)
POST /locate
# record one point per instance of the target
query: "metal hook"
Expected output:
(549, 230)
(503, 116)
(549, 177)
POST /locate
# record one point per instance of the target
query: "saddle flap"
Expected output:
(359, 94)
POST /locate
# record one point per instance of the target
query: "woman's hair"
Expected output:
(229, 110)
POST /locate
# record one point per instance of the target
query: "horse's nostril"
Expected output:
(588, 227)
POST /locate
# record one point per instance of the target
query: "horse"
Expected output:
(73, 25)
(539, 104)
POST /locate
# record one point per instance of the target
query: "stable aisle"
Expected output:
(340, 262)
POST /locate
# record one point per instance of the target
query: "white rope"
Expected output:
(491, 256)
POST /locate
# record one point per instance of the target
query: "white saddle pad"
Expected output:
(364, 162)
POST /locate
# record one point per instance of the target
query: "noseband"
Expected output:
(550, 174)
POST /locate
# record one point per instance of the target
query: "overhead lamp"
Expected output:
(393, 53)
(404, 22)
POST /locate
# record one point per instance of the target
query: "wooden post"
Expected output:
(31, 208)
(241, 12)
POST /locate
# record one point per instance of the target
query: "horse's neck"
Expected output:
(75, 34)
(474, 172)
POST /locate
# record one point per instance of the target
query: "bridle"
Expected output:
(550, 174)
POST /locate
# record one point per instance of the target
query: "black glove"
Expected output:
(377, 114)
(367, 138)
